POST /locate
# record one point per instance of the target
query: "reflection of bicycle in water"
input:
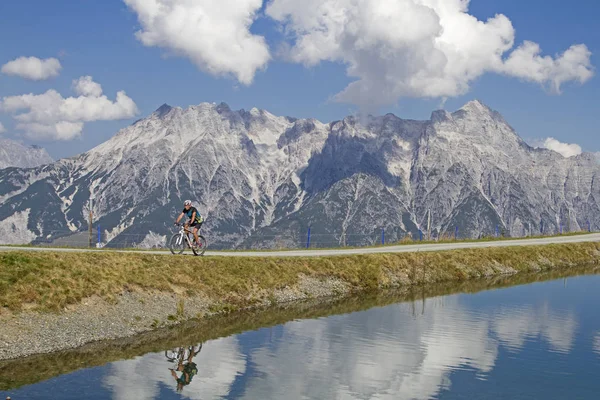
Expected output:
(183, 356)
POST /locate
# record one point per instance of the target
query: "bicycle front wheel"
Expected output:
(172, 355)
(177, 244)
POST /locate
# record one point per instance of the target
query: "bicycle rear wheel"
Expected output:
(177, 244)
(200, 249)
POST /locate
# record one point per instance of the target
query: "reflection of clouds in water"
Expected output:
(392, 352)
(218, 363)
(382, 353)
(514, 326)
(597, 343)
(131, 379)
(387, 353)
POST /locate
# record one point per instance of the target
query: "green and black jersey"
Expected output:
(190, 212)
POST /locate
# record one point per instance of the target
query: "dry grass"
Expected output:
(50, 281)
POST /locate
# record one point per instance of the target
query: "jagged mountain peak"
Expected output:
(162, 110)
(361, 122)
(475, 105)
(256, 114)
(258, 127)
(221, 108)
(470, 110)
(439, 116)
(473, 109)
(17, 154)
(478, 122)
(165, 109)
(257, 111)
(477, 110)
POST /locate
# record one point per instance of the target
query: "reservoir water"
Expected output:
(533, 341)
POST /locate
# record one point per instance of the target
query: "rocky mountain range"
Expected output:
(16, 154)
(261, 181)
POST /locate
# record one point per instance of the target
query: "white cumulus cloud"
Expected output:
(32, 68)
(85, 86)
(214, 34)
(50, 116)
(393, 48)
(564, 149)
(416, 48)
(527, 63)
(2, 128)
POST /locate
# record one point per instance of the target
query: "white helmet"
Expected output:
(187, 203)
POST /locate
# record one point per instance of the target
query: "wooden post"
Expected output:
(91, 240)
(429, 225)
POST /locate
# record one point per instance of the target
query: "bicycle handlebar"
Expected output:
(184, 226)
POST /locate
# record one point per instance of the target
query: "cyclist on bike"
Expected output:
(189, 368)
(195, 219)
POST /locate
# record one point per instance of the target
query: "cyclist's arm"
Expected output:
(179, 218)
(193, 216)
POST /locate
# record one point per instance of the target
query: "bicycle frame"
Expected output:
(184, 232)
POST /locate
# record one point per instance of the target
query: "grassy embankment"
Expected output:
(50, 281)
(37, 368)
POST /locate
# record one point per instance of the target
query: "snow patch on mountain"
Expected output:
(153, 240)
(116, 231)
(13, 230)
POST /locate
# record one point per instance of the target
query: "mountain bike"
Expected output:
(185, 238)
(181, 354)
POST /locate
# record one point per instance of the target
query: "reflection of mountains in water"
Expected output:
(421, 340)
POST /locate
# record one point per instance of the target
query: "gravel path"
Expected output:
(592, 237)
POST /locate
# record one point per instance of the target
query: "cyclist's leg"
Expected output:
(195, 232)
(188, 226)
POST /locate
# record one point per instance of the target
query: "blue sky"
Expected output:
(93, 38)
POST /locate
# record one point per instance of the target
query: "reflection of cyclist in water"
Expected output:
(189, 370)
(188, 367)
